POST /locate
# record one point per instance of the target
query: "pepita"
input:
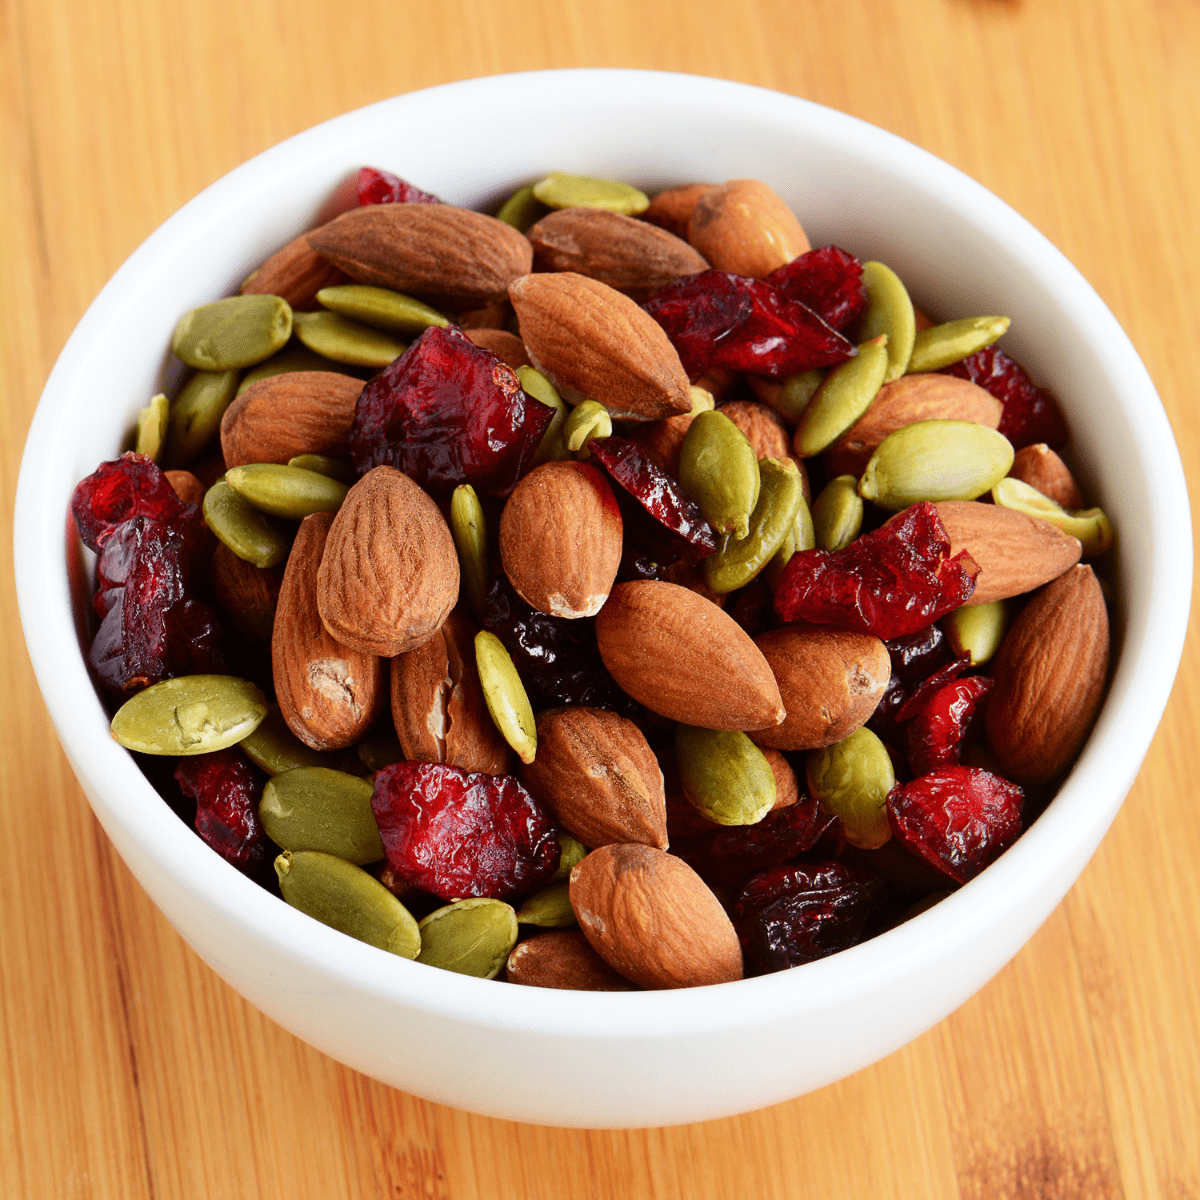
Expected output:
(844, 395)
(851, 779)
(314, 808)
(152, 427)
(976, 630)
(381, 308)
(561, 190)
(469, 529)
(196, 413)
(724, 775)
(505, 696)
(472, 937)
(522, 209)
(940, 345)
(190, 714)
(246, 531)
(1090, 525)
(889, 311)
(549, 908)
(291, 358)
(238, 331)
(342, 340)
(837, 513)
(290, 492)
(719, 471)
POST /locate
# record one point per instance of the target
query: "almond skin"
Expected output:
(297, 273)
(1041, 468)
(186, 486)
(430, 249)
(653, 919)
(560, 539)
(563, 958)
(593, 343)
(389, 575)
(499, 341)
(672, 210)
(1015, 553)
(597, 773)
(831, 681)
(683, 658)
(743, 226)
(301, 412)
(248, 594)
(329, 694)
(787, 787)
(1048, 679)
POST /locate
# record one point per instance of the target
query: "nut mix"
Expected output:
(544, 664)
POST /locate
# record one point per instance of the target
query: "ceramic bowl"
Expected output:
(585, 1059)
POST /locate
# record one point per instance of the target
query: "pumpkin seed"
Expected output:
(801, 536)
(587, 420)
(940, 345)
(522, 209)
(718, 469)
(152, 427)
(238, 331)
(196, 414)
(551, 447)
(572, 853)
(472, 937)
(274, 748)
(976, 630)
(468, 526)
(845, 394)
(724, 775)
(342, 340)
(889, 311)
(505, 696)
(290, 359)
(237, 523)
(851, 779)
(792, 398)
(314, 808)
(375, 755)
(837, 513)
(324, 465)
(1090, 525)
(381, 308)
(561, 190)
(191, 714)
(550, 908)
(289, 492)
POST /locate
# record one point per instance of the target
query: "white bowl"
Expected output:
(584, 1059)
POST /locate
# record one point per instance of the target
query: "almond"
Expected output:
(593, 343)
(787, 787)
(653, 919)
(438, 707)
(672, 210)
(597, 773)
(297, 273)
(625, 253)
(301, 412)
(248, 594)
(499, 341)
(744, 227)
(904, 401)
(329, 694)
(1041, 468)
(685, 659)
(563, 958)
(1015, 553)
(430, 249)
(560, 539)
(831, 681)
(186, 486)
(1048, 679)
(389, 575)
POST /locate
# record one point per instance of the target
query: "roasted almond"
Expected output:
(499, 341)
(186, 486)
(593, 343)
(743, 226)
(787, 787)
(683, 658)
(1041, 468)
(672, 209)
(563, 958)
(430, 249)
(248, 594)
(389, 575)
(297, 273)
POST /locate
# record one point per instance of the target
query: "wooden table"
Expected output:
(129, 1070)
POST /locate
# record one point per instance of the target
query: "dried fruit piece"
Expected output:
(936, 734)
(227, 791)
(828, 281)
(115, 492)
(1030, 413)
(375, 186)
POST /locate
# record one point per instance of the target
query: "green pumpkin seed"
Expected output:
(940, 345)
(344, 341)
(274, 748)
(152, 427)
(196, 415)
(468, 526)
(792, 398)
(739, 560)
(242, 528)
(289, 492)
(837, 513)
(851, 779)
(889, 311)
(290, 359)
(1090, 525)
(560, 190)
(587, 420)
(380, 308)
(191, 714)
(505, 696)
(976, 630)
(238, 331)
(324, 465)
(724, 775)
(572, 853)
(935, 460)
(472, 937)
(845, 394)
(801, 536)
(550, 908)
(376, 755)
(719, 471)
(346, 898)
(314, 808)
(522, 209)
(551, 447)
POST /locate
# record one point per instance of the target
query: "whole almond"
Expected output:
(297, 273)
(831, 681)
(653, 919)
(1041, 468)
(328, 693)
(562, 958)
(438, 707)
(186, 486)
(672, 210)
(743, 226)
(685, 659)
(500, 342)
(596, 772)
(787, 787)
(1015, 553)
(301, 412)
(593, 343)
(248, 594)
(560, 539)
(1048, 678)
(430, 249)
(389, 575)
(904, 401)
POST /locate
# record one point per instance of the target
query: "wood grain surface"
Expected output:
(128, 1070)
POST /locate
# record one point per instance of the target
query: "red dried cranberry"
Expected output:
(130, 486)
(936, 734)
(374, 186)
(786, 916)
(447, 412)
(227, 791)
(958, 819)
(916, 699)
(195, 639)
(914, 658)
(891, 582)
(698, 311)
(456, 834)
(1030, 413)
(828, 281)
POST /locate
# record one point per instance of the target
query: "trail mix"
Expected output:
(611, 593)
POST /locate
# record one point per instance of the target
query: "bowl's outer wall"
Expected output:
(637, 1059)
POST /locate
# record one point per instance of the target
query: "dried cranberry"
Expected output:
(937, 732)
(916, 656)
(891, 582)
(195, 639)
(447, 412)
(1030, 413)
(127, 487)
(828, 281)
(698, 311)
(456, 834)
(786, 916)
(227, 791)
(374, 186)
(958, 819)
(916, 699)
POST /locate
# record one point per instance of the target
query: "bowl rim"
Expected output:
(1037, 864)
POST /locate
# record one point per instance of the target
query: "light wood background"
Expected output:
(128, 1070)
